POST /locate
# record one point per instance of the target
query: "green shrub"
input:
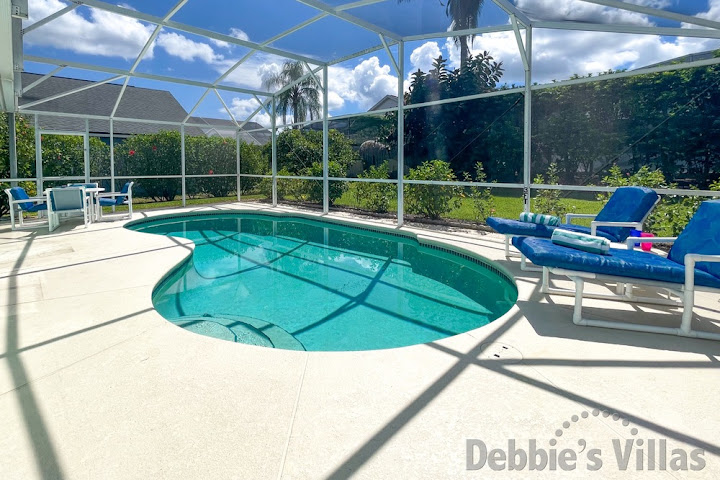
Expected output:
(549, 201)
(375, 197)
(314, 188)
(482, 199)
(432, 200)
(152, 154)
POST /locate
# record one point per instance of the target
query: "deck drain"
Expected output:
(501, 351)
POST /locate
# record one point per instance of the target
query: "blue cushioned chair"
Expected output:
(114, 199)
(627, 208)
(19, 199)
(66, 200)
(692, 264)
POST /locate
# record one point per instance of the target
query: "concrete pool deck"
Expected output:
(95, 384)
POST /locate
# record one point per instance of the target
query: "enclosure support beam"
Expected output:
(70, 92)
(12, 147)
(49, 18)
(112, 157)
(147, 76)
(401, 135)
(38, 157)
(273, 160)
(511, 9)
(127, 12)
(43, 78)
(527, 133)
(656, 12)
(237, 162)
(326, 145)
(86, 151)
(182, 163)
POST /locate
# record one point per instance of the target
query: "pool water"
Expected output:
(296, 283)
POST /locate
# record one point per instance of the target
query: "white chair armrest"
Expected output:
(595, 224)
(570, 216)
(112, 194)
(631, 241)
(30, 199)
(690, 260)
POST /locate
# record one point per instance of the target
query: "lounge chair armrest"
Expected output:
(570, 216)
(594, 224)
(29, 199)
(690, 260)
(112, 194)
(631, 241)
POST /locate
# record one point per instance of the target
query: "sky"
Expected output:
(97, 37)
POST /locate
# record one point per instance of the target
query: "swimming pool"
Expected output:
(304, 284)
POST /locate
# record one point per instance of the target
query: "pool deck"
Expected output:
(94, 384)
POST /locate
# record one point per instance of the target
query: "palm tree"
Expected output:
(464, 15)
(302, 99)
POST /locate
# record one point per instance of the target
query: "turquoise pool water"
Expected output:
(296, 283)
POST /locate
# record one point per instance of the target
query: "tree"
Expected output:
(302, 99)
(464, 15)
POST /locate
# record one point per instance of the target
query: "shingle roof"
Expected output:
(137, 102)
(226, 128)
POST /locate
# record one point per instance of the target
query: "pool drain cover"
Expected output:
(501, 351)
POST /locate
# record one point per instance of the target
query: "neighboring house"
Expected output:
(137, 102)
(226, 129)
(388, 101)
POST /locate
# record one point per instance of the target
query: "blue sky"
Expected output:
(97, 37)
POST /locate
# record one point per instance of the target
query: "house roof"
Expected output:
(388, 101)
(137, 102)
(226, 128)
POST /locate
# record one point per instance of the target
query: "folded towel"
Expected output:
(540, 219)
(581, 241)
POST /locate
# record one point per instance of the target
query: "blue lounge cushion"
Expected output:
(626, 204)
(507, 226)
(111, 202)
(619, 262)
(19, 193)
(701, 235)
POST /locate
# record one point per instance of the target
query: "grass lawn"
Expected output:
(149, 204)
(506, 205)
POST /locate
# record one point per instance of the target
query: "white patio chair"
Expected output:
(115, 199)
(19, 203)
(62, 201)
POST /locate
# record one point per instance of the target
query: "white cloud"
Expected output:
(242, 108)
(100, 33)
(239, 34)
(422, 57)
(234, 32)
(186, 49)
(577, 10)
(364, 84)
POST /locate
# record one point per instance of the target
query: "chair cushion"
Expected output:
(701, 235)
(110, 202)
(507, 226)
(626, 204)
(619, 262)
(37, 207)
(19, 193)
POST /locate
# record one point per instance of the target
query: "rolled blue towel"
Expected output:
(581, 241)
(540, 219)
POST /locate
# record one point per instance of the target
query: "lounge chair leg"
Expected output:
(507, 246)
(619, 288)
(577, 311)
(688, 304)
(545, 286)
